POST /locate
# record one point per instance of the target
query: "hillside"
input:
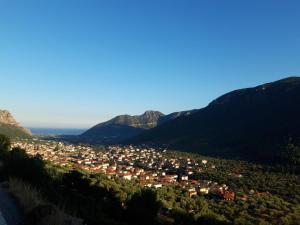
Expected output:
(253, 123)
(10, 127)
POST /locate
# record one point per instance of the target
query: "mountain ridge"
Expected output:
(246, 123)
(126, 126)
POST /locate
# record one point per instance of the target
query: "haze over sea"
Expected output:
(57, 131)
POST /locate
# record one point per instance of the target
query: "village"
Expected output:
(148, 166)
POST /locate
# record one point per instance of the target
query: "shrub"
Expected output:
(27, 196)
(37, 210)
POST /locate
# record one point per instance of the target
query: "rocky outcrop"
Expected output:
(145, 121)
(10, 127)
(7, 118)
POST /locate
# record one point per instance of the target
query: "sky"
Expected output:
(75, 63)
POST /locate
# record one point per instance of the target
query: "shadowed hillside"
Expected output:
(260, 123)
(122, 127)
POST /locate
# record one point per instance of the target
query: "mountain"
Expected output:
(126, 126)
(121, 127)
(260, 123)
(10, 127)
(175, 115)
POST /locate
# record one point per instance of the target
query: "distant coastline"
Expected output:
(57, 131)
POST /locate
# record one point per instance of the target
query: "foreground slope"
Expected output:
(10, 127)
(253, 123)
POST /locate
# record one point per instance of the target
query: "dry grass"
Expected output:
(38, 211)
(27, 196)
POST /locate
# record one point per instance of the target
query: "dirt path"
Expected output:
(9, 212)
(2, 220)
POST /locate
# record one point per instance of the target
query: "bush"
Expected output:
(143, 207)
(37, 210)
(4, 143)
(27, 196)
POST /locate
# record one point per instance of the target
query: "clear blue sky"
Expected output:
(71, 63)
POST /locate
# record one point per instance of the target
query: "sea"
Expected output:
(57, 131)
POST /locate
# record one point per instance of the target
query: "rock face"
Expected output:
(253, 123)
(145, 121)
(10, 127)
(7, 118)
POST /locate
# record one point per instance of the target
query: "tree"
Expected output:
(291, 154)
(4, 143)
(212, 219)
(30, 169)
(143, 207)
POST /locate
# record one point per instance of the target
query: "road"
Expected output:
(2, 220)
(9, 212)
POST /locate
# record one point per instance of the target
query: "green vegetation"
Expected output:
(99, 200)
(283, 181)
(291, 154)
(13, 131)
(4, 142)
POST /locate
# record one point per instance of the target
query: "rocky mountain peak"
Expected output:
(10, 127)
(7, 118)
(152, 114)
